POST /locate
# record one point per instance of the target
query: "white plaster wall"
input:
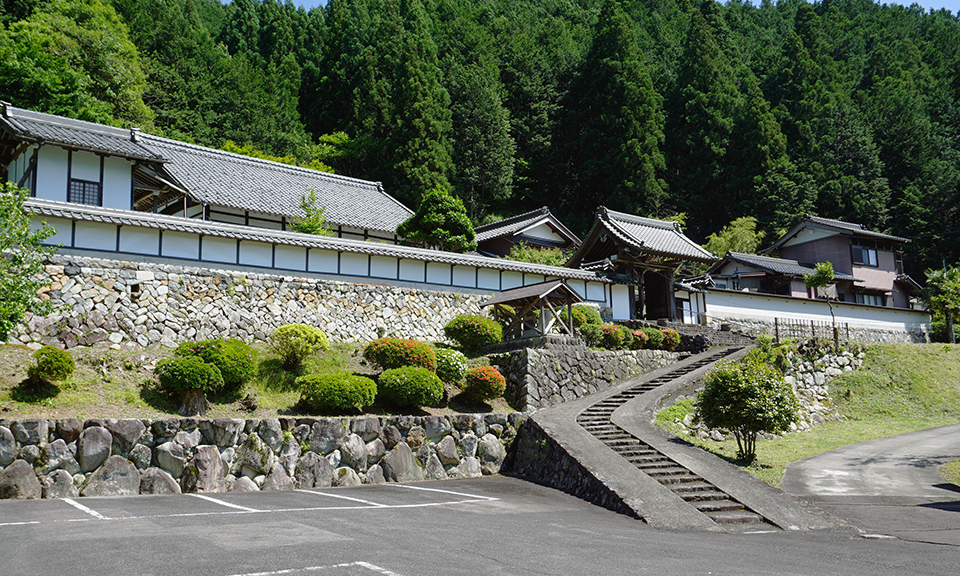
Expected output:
(438, 273)
(140, 240)
(533, 279)
(323, 261)
(465, 276)
(511, 279)
(96, 236)
(85, 166)
(117, 181)
(383, 267)
(543, 232)
(256, 253)
(354, 264)
(413, 270)
(595, 291)
(218, 249)
(291, 257)
(52, 174)
(746, 306)
(621, 302)
(63, 227)
(488, 279)
(180, 245)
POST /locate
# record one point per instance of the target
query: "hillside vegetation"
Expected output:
(844, 108)
(900, 388)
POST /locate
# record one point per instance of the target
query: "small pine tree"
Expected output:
(440, 222)
(314, 220)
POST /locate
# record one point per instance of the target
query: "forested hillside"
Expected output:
(843, 108)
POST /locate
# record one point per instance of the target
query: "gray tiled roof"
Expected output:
(34, 126)
(657, 236)
(244, 183)
(517, 223)
(53, 209)
(858, 229)
(556, 288)
(776, 265)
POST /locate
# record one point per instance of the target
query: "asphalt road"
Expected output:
(889, 486)
(499, 526)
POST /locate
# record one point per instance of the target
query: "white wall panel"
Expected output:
(140, 240)
(52, 174)
(85, 166)
(595, 291)
(256, 253)
(465, 276)
(291, 257)
(511, 280)
(218, 249)
(96, 236)
(180, 245)
(354, 264)
(64, 230)
(529, 279)
(413, 270)
(438, 273)
(383, 267)
(116, 183)
(488, 279)
(323, 261)
(621, 302)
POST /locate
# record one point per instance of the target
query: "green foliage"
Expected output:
(52, 364)
(22, 255)
(741, 235)
(295, 342)
(451, 365)
(747, 397)
(640, 340)
(616, 337)
(583, 315)
(671, 339)
(484, 382)
(410, 387)
(184, 373)
(313, 221)
(942, 295)
(439, 222)
(233, 359)
(655, 338)
(523, 252)
(389, 353)
(336, 392)
(472, 331)
(249, 150)
(821, 277)
(592, 335)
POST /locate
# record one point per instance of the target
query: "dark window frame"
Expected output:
(90, 192)
(860, 255)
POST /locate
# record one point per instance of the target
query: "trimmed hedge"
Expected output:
(410, 387)
(592, 335)
(451, 365)
(336, 392)
(583, 315)
(52, 364)
(616, 337)
(390, 353)
(485, 382)
(293, 343)
(188, 373)
(233, 358)
(654, 338)
(640, 339)
(473, 331)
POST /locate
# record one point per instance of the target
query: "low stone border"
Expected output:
(71, 457)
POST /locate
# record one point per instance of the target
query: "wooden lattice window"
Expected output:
(84, 192)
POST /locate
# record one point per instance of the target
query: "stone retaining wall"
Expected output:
(71, 457)
(537, 378)
(138, 304)
(755, 328)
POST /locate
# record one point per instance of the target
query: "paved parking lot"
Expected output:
(480, 526)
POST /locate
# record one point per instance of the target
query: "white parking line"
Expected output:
(366, 565)
(490, 498)
(18, 523)
(222, 503)
(367, 502)
(83, 508)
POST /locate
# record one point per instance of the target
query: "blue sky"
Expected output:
(951, 5)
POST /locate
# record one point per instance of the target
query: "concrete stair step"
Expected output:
(671, 470)
(702, 496)
(736, 517)
(649, 465)
(676, 478)
(694, 488)
(715, 506)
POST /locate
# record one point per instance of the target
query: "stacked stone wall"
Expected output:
(71, 457)
(754, 328)
(139, 304)
(537, 378)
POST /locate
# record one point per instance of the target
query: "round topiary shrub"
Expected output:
(671, 339)
(336, 392)
(52, 364)
(640, 339)
(233, 358)
(584, 315)
(410, 387)
(293, 343)
(484, 382)
(451, 365)
(615, 337)
(389, 353)
(654, 338)
(190, 377)
(472, 331)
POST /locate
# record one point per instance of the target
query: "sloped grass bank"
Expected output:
(900, 388)
(112, 383)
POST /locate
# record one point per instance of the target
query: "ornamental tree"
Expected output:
(313, 220)
(942, 295)
(747, 397)
(21, 260)
(440, 222)
(820, 279)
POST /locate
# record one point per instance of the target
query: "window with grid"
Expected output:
(865, 256)
(84, 192)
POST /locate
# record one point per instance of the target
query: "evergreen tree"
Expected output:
(440, 222)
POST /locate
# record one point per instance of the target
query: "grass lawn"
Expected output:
(951, 472)
(112, 383)
(900, 388)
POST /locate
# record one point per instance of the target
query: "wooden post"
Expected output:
(776, 329)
